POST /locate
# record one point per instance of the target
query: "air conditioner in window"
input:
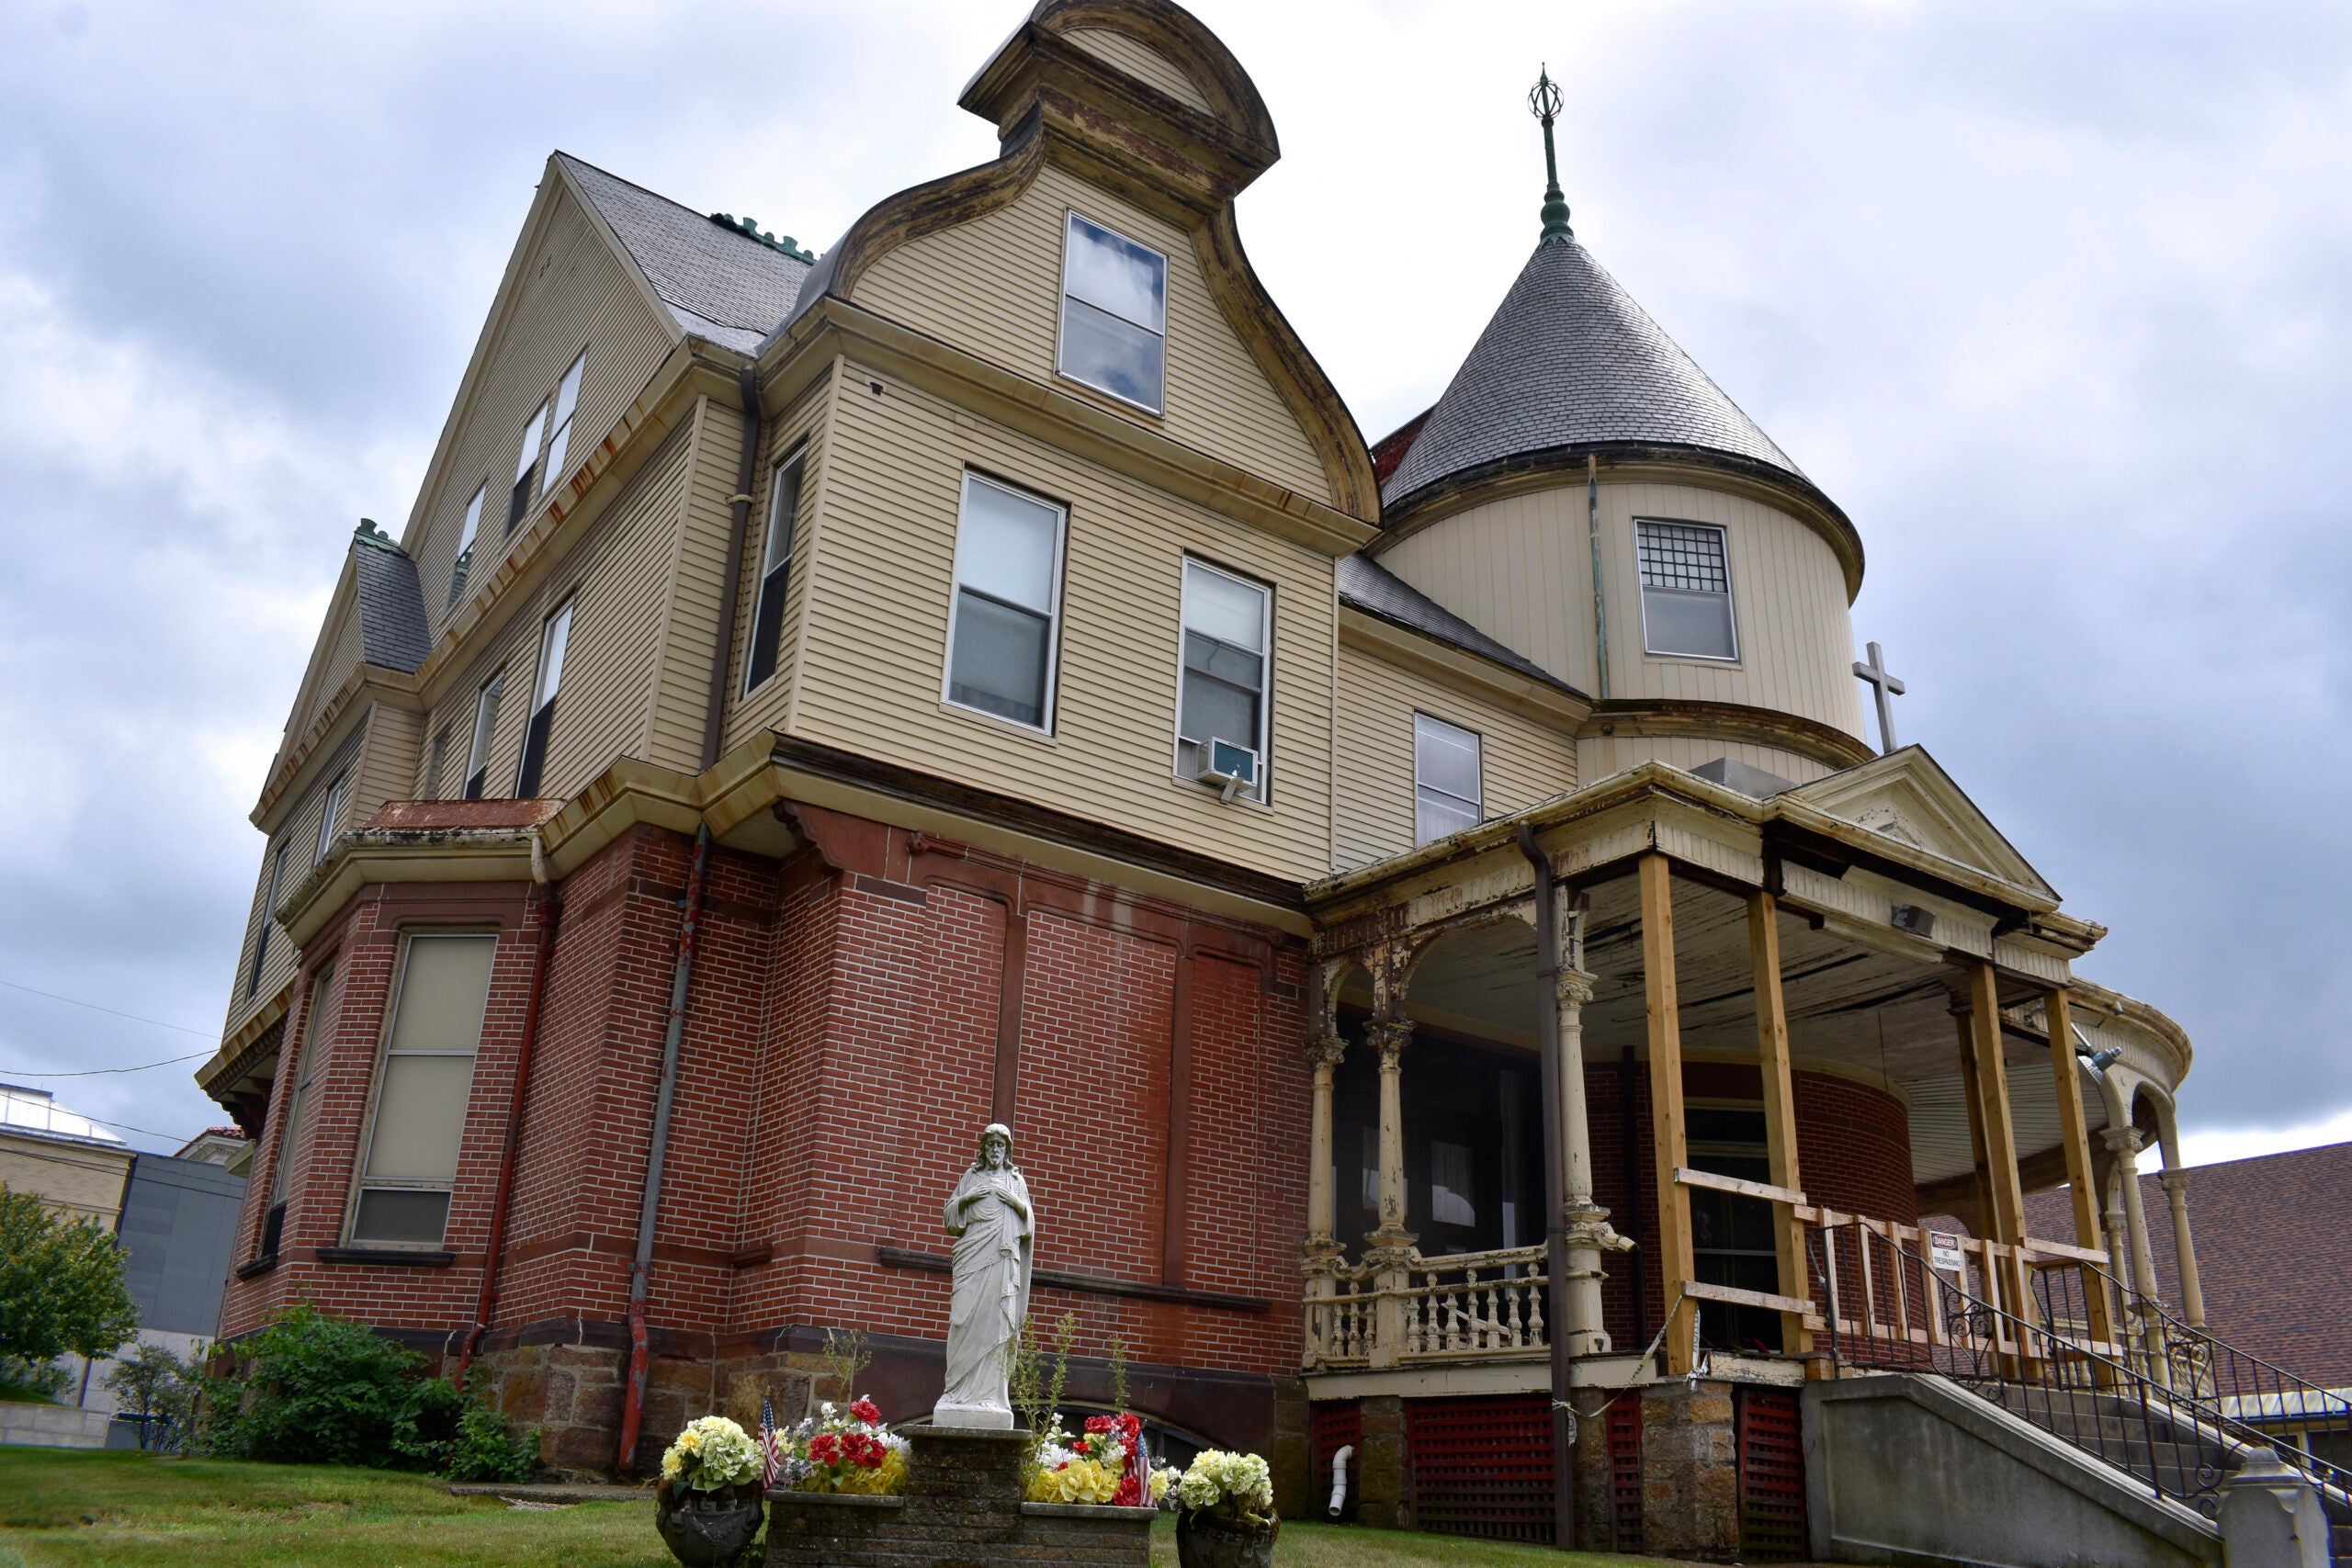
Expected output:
(1230, 768)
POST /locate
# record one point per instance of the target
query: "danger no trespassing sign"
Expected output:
(1943, 1252)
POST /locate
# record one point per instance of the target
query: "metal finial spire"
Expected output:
(1544, 102)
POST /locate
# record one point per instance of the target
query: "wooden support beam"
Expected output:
(1779, 1111)
(1763, 1189)
(2075, 1138)
(1793, 1306)
(1664, 1006)
(1993, 1090)
(1979, 1178)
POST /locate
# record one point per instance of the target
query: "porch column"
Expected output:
(1980, 1170)
(1589, 1233)
(2075, 1141)
(1319, 1255)
(1391, 1247)
(2192, 1289)
(1992, 1092)
(1779, 1110)
(1664, 1005)
(2126, 1142)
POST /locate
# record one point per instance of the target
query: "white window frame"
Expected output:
(1641, 595)
(268, 918)
(798, 464)
(460, 568)
(1061, 312)
(1264, 740)
(563, 405)
(1053, 615)
(546, 686)
(1478, 755)
(359, 1179)
(487, 696)
(330, 812)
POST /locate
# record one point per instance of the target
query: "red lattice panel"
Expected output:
(1625, 1470)
(1772, 1475)
(1338, 1423)
(1482, 1467)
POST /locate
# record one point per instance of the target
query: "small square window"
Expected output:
(1115, 314)
(1686, 591)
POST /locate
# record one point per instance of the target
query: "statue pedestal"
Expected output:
(963, 1505)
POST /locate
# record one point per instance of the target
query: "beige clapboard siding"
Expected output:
(617, 579)
(872, 657)
(1598, 756)
(1520, 761)
(993, 287)
(1141, 62)
(341, 637)
(574, 294)
(300, 828)
(1520, 568)
(388, 761)
(516, 649)
(799, 428)
(687, 637)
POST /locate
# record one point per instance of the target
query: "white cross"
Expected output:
(1885, 687)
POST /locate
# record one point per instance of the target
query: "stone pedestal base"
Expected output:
(962, 1509)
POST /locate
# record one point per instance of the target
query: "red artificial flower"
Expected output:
(1130, 1428)
(1101, 1423)
(1130, 1494)
(866, 1411)
(825, 1449)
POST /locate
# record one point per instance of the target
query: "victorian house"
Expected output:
(1463, 987)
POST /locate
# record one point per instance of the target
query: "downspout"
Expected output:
(1556, 1239)
(731, 590)
(650, 1203)
(550, 901)
(1600, 597)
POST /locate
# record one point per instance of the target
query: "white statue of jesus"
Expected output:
(995, 1231)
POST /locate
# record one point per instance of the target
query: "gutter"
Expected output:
(649, 1204)
(550, 902)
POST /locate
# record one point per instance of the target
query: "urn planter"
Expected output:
(1204, 1540)
(707, 1529)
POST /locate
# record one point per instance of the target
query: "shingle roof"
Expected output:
(1377, 590)
(1570, 360)
(392, 628)
(718, 281)
(2271, 1264)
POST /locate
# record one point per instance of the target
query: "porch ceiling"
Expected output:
(1879, 1015)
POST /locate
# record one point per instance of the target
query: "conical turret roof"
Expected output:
(1570, 361)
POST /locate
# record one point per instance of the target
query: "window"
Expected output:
(1446, 797)
(518, 500)
(1453, 1188)
(268, 919)
(1008, 602)
(465, 548)
(1731, 1236)
(485, 728)
(330, 819)
(420, 1095)
(1228, 620)
(567, 401)
(1686, 591)
(1115, 314)
(775, 572)
(290, 1122)
(552, 639)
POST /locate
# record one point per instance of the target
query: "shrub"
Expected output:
(22, 1383)
(486, 1450)
(61, 1289)
(159, 1389)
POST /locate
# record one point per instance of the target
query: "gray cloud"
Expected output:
(2049, 298)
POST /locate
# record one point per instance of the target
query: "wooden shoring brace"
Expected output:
(1992, 1075)
(2073, 1135)
(1780, 1111)
(1675, 1266)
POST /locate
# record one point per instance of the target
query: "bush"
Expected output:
(316, 1389)
(24, 1384)
(159, 1389)
(61, 1289)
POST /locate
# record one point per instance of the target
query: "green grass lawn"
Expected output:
(78, 1508)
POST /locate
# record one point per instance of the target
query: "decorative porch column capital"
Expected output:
(1320, 1255)
(2125, 1140)
(1326, 1050)
(1574, 987)
(1389, 1036)
(1588, 1226)
(2175, 1182)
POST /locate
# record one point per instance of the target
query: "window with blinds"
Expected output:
(1228, 631)
(410, 1162)
(1686, 591)
(1004, 625)
(1447, 796)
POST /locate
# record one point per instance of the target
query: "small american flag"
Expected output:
(771, 1446)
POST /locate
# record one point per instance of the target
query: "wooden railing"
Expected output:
(1341, 1327)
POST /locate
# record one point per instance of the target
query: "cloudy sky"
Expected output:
(2056, 299)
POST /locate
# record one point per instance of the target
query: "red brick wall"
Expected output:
(841, 1049)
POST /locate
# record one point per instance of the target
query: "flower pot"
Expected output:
(1204, 1540)
(707, 1530)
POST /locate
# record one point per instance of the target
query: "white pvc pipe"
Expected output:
(1339, 1479)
